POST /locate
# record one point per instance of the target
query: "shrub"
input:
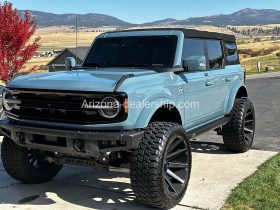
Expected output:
(255, 53)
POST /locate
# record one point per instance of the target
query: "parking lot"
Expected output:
(215, 171)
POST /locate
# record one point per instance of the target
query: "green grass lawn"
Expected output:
(259, 191)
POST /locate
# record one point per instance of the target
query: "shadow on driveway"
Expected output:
(209, 148)
(84, 187)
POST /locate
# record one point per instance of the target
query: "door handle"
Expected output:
(180, 89)
(209, 83)
(228, 79)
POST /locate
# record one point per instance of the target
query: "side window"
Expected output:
(193, 47)
(215, 54)
(231, 53)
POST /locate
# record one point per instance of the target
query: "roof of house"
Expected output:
(191, 33)
(79, 52)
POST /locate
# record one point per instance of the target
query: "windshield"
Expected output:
(145, 51)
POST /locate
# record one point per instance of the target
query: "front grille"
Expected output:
(64, 107)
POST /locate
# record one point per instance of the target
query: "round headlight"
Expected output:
(7, 106)
(110, 108)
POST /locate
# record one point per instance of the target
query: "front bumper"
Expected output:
(70, 142)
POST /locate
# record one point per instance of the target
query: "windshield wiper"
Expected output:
(100, 65)
(139, 65)
(131, 65)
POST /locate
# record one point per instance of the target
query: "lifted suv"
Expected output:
(139, 97)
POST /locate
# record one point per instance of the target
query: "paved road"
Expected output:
(265, 93)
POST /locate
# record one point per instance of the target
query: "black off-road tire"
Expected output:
(147, 166)
(17, 163)
(238, 134)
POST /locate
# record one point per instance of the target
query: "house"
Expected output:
(58, 63)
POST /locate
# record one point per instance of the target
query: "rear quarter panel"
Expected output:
(237, 83)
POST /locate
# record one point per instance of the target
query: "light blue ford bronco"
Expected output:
(139, 97)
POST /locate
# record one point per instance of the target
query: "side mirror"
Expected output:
(195, 63)
(70, 63)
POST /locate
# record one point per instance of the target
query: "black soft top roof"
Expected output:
(192, 33)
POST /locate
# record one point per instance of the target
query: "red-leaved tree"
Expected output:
(15, 32)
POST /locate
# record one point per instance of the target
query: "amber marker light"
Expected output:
(125, 105)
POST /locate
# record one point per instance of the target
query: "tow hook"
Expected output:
(20, 137)
(103, 159)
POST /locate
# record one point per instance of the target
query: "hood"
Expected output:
(100, 80)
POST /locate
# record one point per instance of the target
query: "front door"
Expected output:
(198, 88)
(198, 92)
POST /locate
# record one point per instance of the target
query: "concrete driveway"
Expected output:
(215, 171)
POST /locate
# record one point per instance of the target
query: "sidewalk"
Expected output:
(215, 173)
(263, 75)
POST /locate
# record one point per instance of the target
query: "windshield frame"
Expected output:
(178, 47)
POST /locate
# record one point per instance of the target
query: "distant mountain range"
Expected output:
(242, 17)
(248, 17)
(87, 20)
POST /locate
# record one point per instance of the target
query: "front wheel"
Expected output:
(238, 134)
(26, 165)
(161, 166)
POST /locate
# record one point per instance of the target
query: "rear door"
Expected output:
(218, 76)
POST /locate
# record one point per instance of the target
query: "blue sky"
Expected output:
(139, 11)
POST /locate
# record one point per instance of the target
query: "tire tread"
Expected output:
(233, 135)
(15, 162)
(145, 166)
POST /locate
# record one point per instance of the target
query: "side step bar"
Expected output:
(208, 127)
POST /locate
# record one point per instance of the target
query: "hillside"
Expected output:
(90, 20)
(249, 17)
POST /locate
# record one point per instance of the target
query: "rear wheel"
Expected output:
(26, 165)
(161, 166)
(238, 134)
